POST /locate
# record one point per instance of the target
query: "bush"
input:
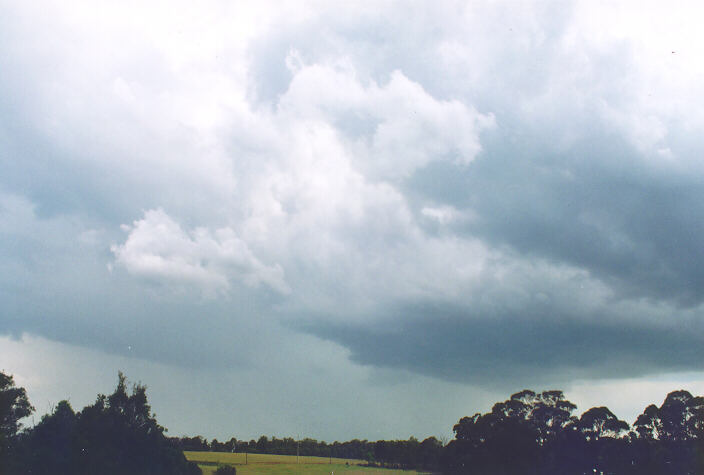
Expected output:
(225, 470)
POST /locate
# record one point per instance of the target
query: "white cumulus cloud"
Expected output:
(393, 128)
(158, 247)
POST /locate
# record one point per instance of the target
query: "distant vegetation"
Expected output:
(530, 433)
(388, 453)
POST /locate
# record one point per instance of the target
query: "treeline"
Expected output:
(530, 433)
(537, 433)
(393, 453)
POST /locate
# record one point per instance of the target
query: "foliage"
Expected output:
(226, 470)
(600, 422)
(542, 436)
(118, 434)
(49, 445)
(670, 438)
(527, 423)
(14, 406)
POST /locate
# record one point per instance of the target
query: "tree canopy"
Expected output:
(118, 434)
(14, 406)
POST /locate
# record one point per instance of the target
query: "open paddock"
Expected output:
(285, 464)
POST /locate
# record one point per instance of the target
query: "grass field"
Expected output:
(284, 464)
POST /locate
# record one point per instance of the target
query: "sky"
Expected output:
(351, 219)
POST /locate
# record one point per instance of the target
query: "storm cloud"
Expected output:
(474, 195)
(505, 351)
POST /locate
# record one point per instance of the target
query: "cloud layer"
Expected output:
(481, 194)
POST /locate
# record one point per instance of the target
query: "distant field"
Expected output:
(284, 464)
(239, 459)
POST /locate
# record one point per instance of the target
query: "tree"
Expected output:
(483, 440)
(525, 425)
(48, 448)
(14, 405)
(118, 434)
(595, 443)
(682, 416)
(648, 425)
(429, 452)
(670, 436)
(600, 422)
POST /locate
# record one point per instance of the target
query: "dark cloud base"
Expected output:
(455, 345)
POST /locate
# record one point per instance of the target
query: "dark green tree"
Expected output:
(14, 405)
(119, 434)
(527, 424)
(599, 443)
(599, 422)
(48, 448)
(116, 435)
(669, 437)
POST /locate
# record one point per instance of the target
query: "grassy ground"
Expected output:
(313, 469)
(266, 464)
(252, 459)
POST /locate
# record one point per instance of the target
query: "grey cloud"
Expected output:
(460, 344)
(118, 318)
(514, 51)
(57, 286)
(566, 187)
(57, 180)
(593, 201)
(634, 225)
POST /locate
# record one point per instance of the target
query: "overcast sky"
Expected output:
(351, 219)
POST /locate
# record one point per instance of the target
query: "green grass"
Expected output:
(284, 464)
(314, 469)
(252, 459)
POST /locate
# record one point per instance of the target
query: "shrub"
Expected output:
(225, 470)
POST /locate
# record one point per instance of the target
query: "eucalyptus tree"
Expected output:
(14, 406)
